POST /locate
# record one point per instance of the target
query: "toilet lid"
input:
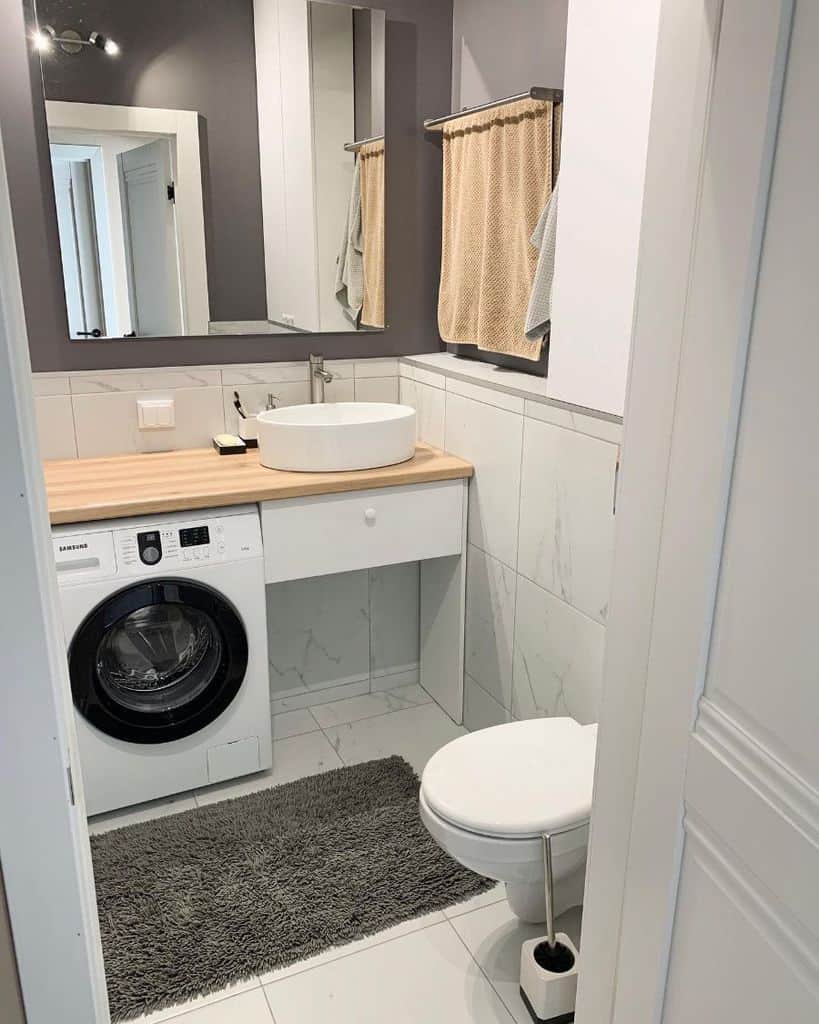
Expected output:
(519, 779)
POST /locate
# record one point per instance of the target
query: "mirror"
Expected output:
(218, 168)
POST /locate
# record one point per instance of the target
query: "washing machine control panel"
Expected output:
(149, 545)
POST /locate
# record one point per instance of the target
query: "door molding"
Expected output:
(717, 93)
(183, 127)
(44, 844)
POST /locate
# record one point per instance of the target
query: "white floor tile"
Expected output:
(494, 936)
(236, 1004)
(483, 899)
(292, 723)
(414, 735)
(351, 948)
(175, 804)
(427, 976)
(305, 698)
(370, 705)
(293, 758)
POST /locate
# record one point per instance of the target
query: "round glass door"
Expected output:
(157, 661)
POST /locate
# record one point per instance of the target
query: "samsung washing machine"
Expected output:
(165, 625)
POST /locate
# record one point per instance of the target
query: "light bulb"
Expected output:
(111, 48)
(42, 42)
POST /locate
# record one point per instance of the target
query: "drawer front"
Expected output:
(330, 533)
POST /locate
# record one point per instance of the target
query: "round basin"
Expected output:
(336, 436)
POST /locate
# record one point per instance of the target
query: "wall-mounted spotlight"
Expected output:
(70, 41)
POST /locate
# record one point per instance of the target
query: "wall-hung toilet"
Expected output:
(487, 798)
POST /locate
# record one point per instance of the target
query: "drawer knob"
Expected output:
(369, 516)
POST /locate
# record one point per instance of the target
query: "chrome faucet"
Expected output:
(318, 378)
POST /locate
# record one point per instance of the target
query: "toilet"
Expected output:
(488, 797)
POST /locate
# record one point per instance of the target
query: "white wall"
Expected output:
(610, 51)
(333, 89)
(540, 538)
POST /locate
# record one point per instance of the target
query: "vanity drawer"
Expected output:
(329, 533)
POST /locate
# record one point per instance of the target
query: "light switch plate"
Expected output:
(155, 413)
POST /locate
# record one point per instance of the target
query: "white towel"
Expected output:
(349, 286)
(539, 314)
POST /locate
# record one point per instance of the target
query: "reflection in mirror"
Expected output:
(218, 168)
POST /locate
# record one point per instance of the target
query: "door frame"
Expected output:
(717, 96)
(44, 846)
(182, 126)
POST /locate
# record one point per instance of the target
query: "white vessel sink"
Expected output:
(336, 436)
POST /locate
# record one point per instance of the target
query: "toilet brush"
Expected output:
(549, 964)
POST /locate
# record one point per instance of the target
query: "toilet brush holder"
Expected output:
(549, 965)
(548, 979)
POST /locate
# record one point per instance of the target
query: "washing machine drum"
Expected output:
(157, 661)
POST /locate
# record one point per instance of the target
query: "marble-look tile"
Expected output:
(293, 758)
(318, 632)
(430, 409)
(481, 710)
(566, 541)
(483, 899)
(303, 698)
(415, 924)
(490, 623)
(607, 428)
(489, 396)
(369, 705)
(394, 638)
(376, 389)
(427, 975)
(491, 439)
(493, 935)
(55, 427)
(227, 1006)
(414, 735)
(254, 398)
(377, 367)
(95, 382)
(107, 424)
(558, 663)
(174, 804)
(50, 384)
(409, 677)
(292, 723)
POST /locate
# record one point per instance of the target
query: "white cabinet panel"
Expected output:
(333, 533)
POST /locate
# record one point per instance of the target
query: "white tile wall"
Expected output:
(96, 411)
(566, 514)
(541, 530)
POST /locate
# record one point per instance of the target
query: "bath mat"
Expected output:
(190, 903)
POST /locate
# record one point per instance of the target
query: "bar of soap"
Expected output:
(229, 444)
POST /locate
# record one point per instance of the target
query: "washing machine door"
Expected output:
(157, 661)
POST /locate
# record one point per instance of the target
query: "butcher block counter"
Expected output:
(85, 490)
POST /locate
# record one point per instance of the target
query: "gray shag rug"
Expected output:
(190, 903)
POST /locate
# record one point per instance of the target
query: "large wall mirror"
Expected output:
(218, 165)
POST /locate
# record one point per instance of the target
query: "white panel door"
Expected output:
(745, 945)
(150, 226)
(720, 915)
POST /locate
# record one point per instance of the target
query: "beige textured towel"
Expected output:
(371, 160)
(498, 175)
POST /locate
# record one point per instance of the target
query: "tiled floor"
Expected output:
(456, 967)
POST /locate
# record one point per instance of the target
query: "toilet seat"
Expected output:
(514, 781)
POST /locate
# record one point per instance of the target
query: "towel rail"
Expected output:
(536, 92)
(353, 147)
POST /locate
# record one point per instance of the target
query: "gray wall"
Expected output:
(185, 55)
(419, 49)
(499, 49)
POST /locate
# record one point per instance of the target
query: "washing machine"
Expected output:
(165, 627)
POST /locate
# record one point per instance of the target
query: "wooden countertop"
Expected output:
(84, 490)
